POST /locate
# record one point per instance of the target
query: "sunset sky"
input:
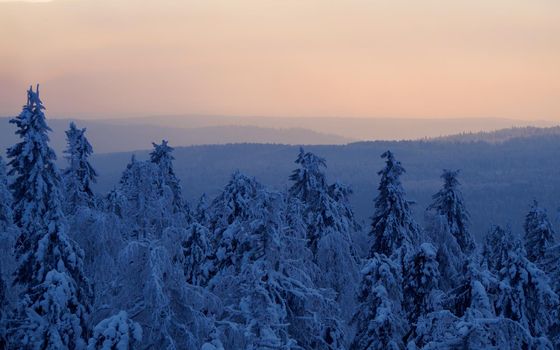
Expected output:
(355, 58)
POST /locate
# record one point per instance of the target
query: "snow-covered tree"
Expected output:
(451, 260)
(79, 175)
(161, 155)
(197, 251)
(380, 320)
(524, 294)
(33, 167)
(393, 225)
(326, 207)
(3, 312)
(53, 310)
(330, 223)
(143, 200)
(539, 234)
(551, 265)
(263, 273)
(420, 281)
(117, 332)
(448, 202)
(200, 213)
(6, 217)
(8, 232)
(465, 295)
(151, 287)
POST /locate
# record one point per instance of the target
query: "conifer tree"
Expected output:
(197, 251)
(451, 259)
(448, 202)
(263, 275)
(144, 200)
(525, 294)
(330, 223)
(3, 311)
(326, 207)
(117, 332)
(380, 320)
(33, 167)
(161, 155)
(200, 213)
(54, 308)
(420, 282)
(6, 216)
(393, 225)
(539, 235)
(79, 175)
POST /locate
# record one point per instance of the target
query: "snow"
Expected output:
(255, 268)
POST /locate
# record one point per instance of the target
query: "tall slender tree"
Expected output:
(393, 227)
(55, 304)
(525, 294)
(6, 215)
(161, 155)
(448, 202)
(79, 175)
(380, 319)
(330, 224)
(539, 234)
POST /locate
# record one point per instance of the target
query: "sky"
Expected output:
(344, 58)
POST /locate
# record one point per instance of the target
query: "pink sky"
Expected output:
(359, 58)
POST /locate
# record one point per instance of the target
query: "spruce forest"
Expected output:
(256, 268)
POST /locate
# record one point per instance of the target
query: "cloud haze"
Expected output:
(384, 58)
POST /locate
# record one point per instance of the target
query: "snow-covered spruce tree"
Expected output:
(420, 281)
(263, 273)
(79, 175)
(380, 320)
(6, 217)
(450, 258)
(448, 229)
(539, 235)
(151, 287)
(162, 157)
(3, 311)
(117, 332)
(34, 171)
(325, 207)
(150, 281)
(524, 294)
(470, 321)
(461, 298)
(7, 259)
(232, 208)
(330, 223)
(551, 265)
(197, 251)
(200, 213)
(8, 232)
(53, 310)
(448, 202)
(393, 227)
(144, 200)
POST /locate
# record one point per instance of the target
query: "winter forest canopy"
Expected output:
(255, 268)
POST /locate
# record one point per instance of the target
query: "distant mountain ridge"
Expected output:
(500, 136)
(124, 135)
(363, 129)
(108, 137)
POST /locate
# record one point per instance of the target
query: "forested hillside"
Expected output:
(280, 260)
(499, 180)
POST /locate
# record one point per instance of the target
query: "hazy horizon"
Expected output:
(354, 59)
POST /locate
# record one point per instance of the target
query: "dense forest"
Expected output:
(255, 268)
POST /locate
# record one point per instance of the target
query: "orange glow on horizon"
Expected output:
(356, 58)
